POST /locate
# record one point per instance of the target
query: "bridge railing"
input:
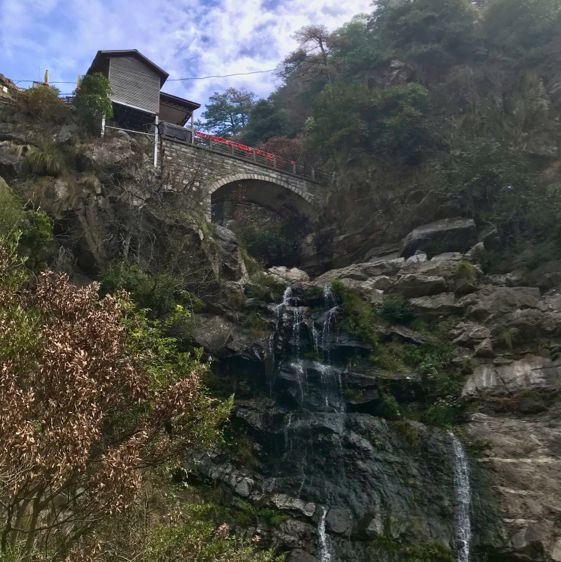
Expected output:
(238, 150)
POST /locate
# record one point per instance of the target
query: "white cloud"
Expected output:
(186, 37)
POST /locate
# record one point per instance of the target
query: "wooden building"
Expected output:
(138, 102)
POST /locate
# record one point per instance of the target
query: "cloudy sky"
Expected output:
(185, 37)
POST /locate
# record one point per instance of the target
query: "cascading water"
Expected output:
(317, 389)
(462, 496)
(324, 551)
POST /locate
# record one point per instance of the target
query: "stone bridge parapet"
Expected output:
(209, 174)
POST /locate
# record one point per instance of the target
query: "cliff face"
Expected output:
(331, 421)
(403, 407)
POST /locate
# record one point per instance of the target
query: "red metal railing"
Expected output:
(233, 148)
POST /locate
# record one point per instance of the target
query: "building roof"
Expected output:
(102, 56)
(175, 100)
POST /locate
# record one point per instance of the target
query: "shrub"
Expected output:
(397, 309)
(42, 103)
(48, 160)
(91, 393)
(92, 101)
(159, 292)
(359, 318)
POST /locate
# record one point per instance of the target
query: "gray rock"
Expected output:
(523, 458)
(363, 271)
(339, 520)
(414, 285)
(531, 372)
(291, 275)
(441, 304)
(491, 302)
(287, 503)
(298, 555)
(447, 235)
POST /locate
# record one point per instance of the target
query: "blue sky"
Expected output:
(185, 37)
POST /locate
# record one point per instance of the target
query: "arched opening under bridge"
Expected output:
(270, 219)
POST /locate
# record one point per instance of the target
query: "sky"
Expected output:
(184, 37)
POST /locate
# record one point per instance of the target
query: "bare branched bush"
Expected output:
(91, 395)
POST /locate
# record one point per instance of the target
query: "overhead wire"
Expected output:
(177, 79)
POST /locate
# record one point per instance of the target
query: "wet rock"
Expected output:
(339, 520)
(458, 234)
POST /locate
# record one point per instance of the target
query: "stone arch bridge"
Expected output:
(214, 178)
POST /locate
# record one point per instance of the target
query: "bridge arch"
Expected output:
(279, 194)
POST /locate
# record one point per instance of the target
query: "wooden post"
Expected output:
(192, 121)
(313, 174)
(294, 167)
(275, 161)
(103, 126)
(156, 138)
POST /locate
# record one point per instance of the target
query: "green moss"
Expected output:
(359, 318)
(465, 271)
(398, 552)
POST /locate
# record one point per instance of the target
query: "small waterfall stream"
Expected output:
(324, 552)
(462, 493)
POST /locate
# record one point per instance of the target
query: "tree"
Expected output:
(92, 101)
(266, 120)
(91, 396)
(227, 114)
(430, 32)
(522, 26)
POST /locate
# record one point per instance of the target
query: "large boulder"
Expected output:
(447, 235)
(523, 459)
(532, 372)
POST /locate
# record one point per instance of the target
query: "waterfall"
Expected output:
(324, 552)
(462, 496)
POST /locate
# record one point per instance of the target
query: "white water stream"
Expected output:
(324, 551)
(462, 493)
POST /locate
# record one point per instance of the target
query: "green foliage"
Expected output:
(227, 114)
(387, 122)
(429, 32)
(193, 537)
(265, 121)
(11, 213)
(442, 382)
(92, 101)
(396, 309)
(161, 293)
(265, 287)
(388, 407)
(48, 160)
(520, 27)
(29, 230)
(42, 103)
(266, 243)
(359, 318)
